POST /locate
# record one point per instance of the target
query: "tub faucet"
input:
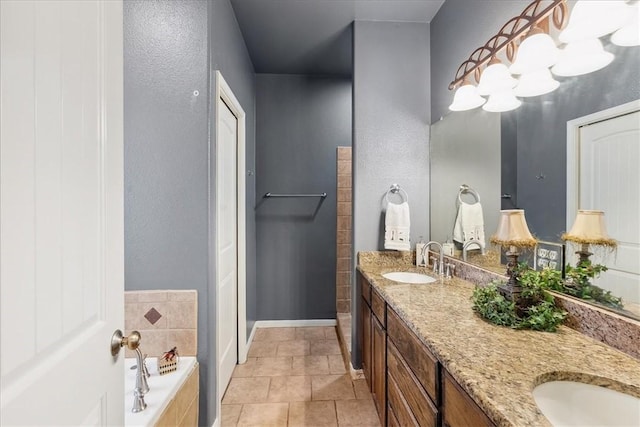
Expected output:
(142, 387)
(471, 243)
(440, 267)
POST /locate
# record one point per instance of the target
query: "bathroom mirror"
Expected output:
(518, 159)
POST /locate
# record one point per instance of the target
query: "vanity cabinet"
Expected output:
(374, 345)
(458, 409)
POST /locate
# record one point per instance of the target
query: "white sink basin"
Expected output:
(568, 403)
(406, 277)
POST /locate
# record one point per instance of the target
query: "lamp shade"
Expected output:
(536, 51)
(466, 98)
(513, 230)
(495, 77)
(502, 101)
(582, 57)
(594, 18)
(629, 34)
(536, 83)
(589, 228)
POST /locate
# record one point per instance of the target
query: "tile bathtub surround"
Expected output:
(309, 387)
(164, 319)
(343, 230)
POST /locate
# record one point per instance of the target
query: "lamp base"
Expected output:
(584, 255)
(512, 289)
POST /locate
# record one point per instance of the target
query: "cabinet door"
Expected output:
(365, 319)
(379, 368)
(459, 409)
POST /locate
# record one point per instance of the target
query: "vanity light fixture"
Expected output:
(501, 101)
(537, 82)
(536, 52)
(513, 233)
(589, 229)
(582, 57)
(496, 77)
(466, 98)
(594, 18)
(629, 34)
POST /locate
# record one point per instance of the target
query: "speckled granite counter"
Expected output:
(497, 366)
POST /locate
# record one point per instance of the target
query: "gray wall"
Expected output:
(465, 149)
(169, 48)
(391, 110)
(300, 122)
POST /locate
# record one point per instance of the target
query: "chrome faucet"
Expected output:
(142, 387)
(439, 268)
(471, 243)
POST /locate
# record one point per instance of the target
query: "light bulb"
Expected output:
(501, 101)
(536, 51)
(582, 57)
(592, 19)
(466, 98)
(536, 83)
(494, 78)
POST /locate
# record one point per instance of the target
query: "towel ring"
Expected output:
(395, 189)
(464, 188)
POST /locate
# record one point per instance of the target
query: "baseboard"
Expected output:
(294, 323)
(250, 340)
(216, 423)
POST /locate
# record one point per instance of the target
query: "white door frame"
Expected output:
(573, 153)
(224, 93)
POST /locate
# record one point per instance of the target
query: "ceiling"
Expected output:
(315, 36)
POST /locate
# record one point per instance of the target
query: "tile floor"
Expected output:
(296, 377)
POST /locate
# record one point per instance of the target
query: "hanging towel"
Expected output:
(397, 224)
(469, 224)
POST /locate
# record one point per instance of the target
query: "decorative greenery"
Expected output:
(534, 309)
(578, 284)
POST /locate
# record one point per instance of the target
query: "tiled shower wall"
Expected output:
(165, 319)
(343, 266)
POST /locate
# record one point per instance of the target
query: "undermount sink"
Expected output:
(569, 403)
(407, 277)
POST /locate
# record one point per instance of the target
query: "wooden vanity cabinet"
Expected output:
(458, 409)
(374, 345)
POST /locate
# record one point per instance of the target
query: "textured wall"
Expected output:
(169, 47)
(391, 130)
(300, 122)
(465, 149)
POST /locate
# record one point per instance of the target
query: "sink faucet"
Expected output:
(142, 387)
(440, 267)
(470, 243)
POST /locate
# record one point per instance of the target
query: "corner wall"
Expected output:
(391, 111)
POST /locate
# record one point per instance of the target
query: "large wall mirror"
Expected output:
(519, 160)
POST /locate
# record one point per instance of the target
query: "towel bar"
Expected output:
(323, 195)
(396, 189)
(464, 188)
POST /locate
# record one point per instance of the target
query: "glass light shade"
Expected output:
(501, 101)
(536, 83)
(466, 98)
(494, 78)
(592, 19)
(582, 57)
(536, 51)
(629, 34)
(513, 229)
(588, 228)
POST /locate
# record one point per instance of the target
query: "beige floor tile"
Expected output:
(275, 334)
(357, 413)
(326, 347)
(290, 389)
(263, 349)
(264, 414)
(310, 333)
(230, 415)
(317, 414)
(247, 390)
(272, 366)
(336, 364)
(332, 387)
(330, 333)
(310, 365)
(293, 348)
(362, 389)
(246, 369)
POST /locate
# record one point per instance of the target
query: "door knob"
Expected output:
(118, 341)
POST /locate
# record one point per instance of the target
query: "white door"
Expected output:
(61, 212)
(227, 243)
(610, 181)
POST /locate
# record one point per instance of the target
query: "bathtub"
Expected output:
(161, 390)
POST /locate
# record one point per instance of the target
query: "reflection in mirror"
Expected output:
(519, 160)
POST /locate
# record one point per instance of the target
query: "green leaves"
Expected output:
(578, 284)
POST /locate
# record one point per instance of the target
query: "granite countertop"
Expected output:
(497, 366)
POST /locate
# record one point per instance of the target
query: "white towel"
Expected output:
(397, 224)
(469, 224)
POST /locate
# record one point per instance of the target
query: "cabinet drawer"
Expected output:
(422, 363)
(399, 406)
(458, 408)
(391, 417)
(407, 384)
(377, 306)
(365, 289)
